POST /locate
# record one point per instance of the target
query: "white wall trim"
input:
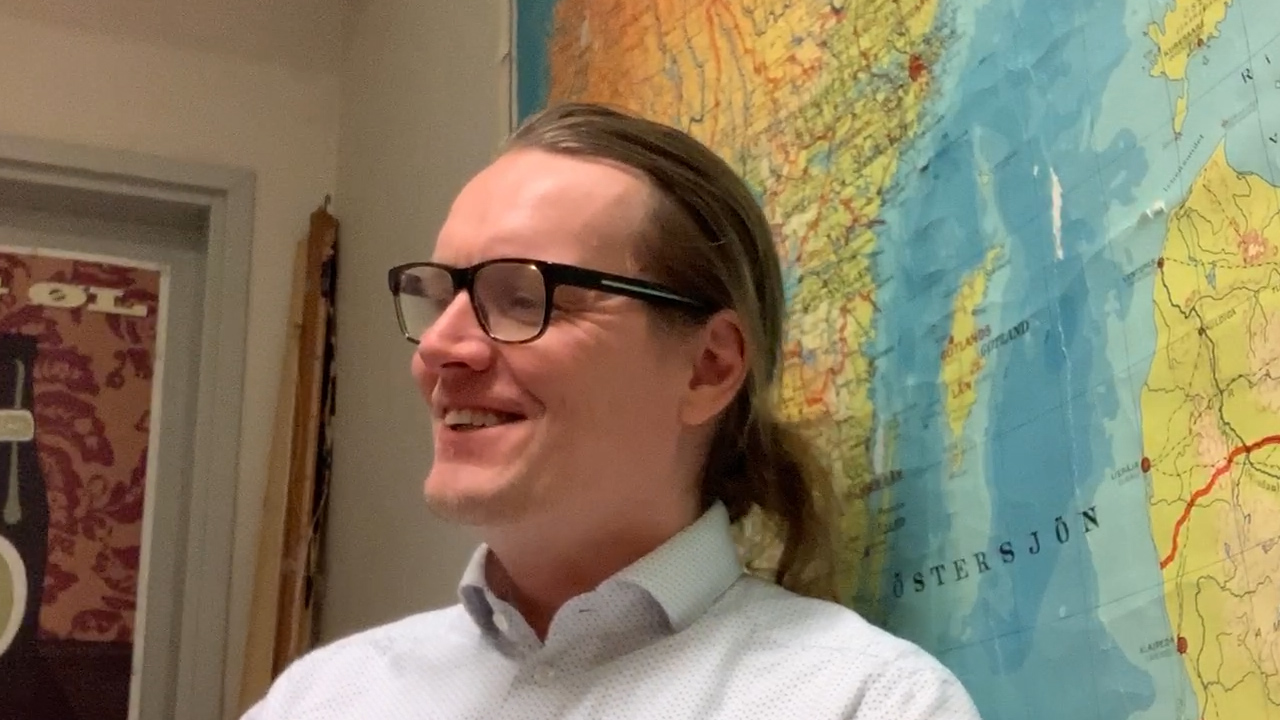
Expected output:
(182, 669)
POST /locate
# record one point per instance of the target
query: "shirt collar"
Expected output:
(685, 575)
(690, 571)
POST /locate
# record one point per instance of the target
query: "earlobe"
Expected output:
(719, 368)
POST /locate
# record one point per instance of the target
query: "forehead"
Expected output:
(532, 203)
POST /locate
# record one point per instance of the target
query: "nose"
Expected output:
(456, 340)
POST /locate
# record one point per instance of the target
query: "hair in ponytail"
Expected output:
(709, 236)
(768, 476)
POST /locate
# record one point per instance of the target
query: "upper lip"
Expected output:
(440, 406)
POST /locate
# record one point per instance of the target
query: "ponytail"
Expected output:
(779, 495)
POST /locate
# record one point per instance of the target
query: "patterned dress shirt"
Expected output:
(682, 634)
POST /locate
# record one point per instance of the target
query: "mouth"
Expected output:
(473, 419)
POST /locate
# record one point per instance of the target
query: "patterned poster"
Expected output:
(79, 375)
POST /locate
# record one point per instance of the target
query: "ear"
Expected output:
(719, 355)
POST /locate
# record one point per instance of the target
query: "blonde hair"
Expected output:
(710, 238)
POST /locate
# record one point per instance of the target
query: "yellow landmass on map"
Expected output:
(961, 357)
(1186, 27)
(811, 101)
(1211, 435)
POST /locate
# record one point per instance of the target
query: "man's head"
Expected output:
(640, 393)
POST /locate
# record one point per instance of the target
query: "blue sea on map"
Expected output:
(1017, 122)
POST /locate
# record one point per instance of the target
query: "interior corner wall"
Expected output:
(58, 83)
(423, 108)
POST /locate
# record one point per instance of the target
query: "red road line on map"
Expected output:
(1208, 488)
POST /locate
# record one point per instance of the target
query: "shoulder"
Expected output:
(385, 641)
(361, 662)
(777, 615)
(883, 675)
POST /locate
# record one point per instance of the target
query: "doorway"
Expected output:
(123, 284)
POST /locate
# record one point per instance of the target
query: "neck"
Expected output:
(541, 564)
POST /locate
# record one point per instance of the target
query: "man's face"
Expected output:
(582, 410)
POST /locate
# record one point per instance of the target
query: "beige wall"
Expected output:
(128, 91)
(422, 109)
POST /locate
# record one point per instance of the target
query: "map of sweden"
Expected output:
(969, 201)
(1210, 430)
(811, 102)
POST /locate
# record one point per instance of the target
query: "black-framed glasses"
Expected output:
(511, 297)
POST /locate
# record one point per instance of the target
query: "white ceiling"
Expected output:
(303, 34)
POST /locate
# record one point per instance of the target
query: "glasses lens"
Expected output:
(424, 294)
(512, 300)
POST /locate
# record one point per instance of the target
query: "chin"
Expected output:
(474, 496)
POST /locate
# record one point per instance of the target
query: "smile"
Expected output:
(475, 419)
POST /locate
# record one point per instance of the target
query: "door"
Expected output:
(100, 327)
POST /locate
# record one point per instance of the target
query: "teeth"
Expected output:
(480, 418)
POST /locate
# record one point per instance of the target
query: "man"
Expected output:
(598, 335)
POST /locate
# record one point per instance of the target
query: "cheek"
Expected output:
(573, 389)
(616, 395)
(617, 384)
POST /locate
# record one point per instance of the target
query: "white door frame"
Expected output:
(184, 631)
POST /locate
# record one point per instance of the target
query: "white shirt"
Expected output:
(684, 633)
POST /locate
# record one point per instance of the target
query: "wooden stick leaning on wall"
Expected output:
(282, 610)
(308, 476)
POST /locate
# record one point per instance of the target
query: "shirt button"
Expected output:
(544, 674)
(500, 621)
